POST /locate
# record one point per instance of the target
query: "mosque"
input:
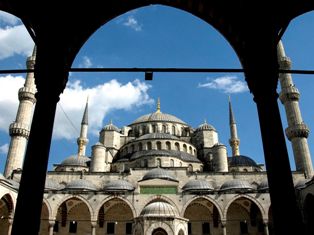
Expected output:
(157, 176)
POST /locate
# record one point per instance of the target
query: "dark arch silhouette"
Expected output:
(159, 231)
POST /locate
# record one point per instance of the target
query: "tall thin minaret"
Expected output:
(234, 141)
(82, 141)
(297, 131)
(20, 128)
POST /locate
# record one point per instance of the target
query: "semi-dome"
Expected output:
(159, 209)
(236, 184)
(159, 173)
(263, 186)
(13, 184)
(241, 160)
(75, 160)
(80, 184)
(158, 117)
(198, 186)
(158, 136)
(51, 184)
(118, 186)
(205, 127)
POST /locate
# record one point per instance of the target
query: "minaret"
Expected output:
(20, 128)
(82, 141)
(234, 141)
(297, 131)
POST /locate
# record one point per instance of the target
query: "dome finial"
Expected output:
(110, 123)
(158, 105)
(205, 121)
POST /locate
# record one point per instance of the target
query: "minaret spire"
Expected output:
(19, 129)
(82, 140)
(234, 141)
(297, 131)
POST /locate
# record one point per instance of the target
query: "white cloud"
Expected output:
(9, 86)
(133, 23)
(87, 62)
(226, 84)
(8, 18)
(15, 40)
(4, 148)
(103, 99)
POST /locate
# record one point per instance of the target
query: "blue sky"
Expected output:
(154, 36)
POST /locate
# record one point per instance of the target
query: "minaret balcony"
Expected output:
(285, 63)
(297, 131)
(19, 129)
(27, 93)
(290, 93)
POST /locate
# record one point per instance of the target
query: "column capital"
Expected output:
(51, 223)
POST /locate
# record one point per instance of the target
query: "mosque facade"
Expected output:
(157, 176)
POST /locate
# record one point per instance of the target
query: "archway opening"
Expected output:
(244, 217)
(73, 216)
(44, 219)
(6, 213)
(115, 217)
(159, 231)
(203, 217)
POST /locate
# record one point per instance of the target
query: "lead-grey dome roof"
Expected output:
(205, 127)
(198, 186)
(241, 160)
(263, 185)
(118, 186)
(110, 127)
(75, 160)
(158, 116)
(81, 184)
(157, 136)
(159, 173)
(159, 209)
(51, 184)
(236, 184)
(301, 183)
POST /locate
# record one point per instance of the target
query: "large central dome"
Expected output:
(158, 116)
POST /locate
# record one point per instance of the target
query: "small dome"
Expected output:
(50, 184)
(158, 116)
(159, 209)
(110, 127)
(236, 184)
(118, 186)
(241, 160)
(205, 127)
(158, 136)
(263, 186)
(75, 160)
(301, 183)
(198, 186)
(81, 184)
(158, 173)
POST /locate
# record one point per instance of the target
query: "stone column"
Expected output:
(10, 222)
(224, 227)
(51, 226)
(266, 231)
(262, 77)
(93, 227)
(51, 76)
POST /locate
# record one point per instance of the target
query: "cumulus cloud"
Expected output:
(133, 23)
(87, 62)
(103, 99)
(14, 38)
(226, 84)
(4, 148)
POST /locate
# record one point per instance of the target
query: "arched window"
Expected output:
(159, 145)
(171, 163)
(149, 145)
(168, 145)
(173, 130)
(185, 148)
(158, 162)
(145, 163)
(154, 128)
(177, 146)
(190, 150)
(140, 147)
(190, 168)
(164, 129)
